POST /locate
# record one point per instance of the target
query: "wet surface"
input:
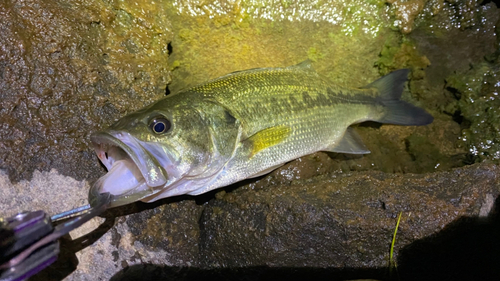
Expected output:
(69, 68)
(278, 222)
(59, 88)
(339, 224)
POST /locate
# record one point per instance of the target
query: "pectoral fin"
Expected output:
(350, 143)
(267, 138)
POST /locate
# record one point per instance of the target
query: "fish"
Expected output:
(239, 126)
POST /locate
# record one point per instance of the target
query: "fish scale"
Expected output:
(275, 103)
(243, 125)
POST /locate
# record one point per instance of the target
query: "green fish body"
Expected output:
(242, 125)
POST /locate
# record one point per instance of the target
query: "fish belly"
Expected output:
(316, 112)
(313, 129)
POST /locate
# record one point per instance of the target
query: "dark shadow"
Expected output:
(170, 49)
(155, 272)
(138, 207)
(485, 2)
(205, 197)
(369, 124)
(343, 156)
(6, 236)
(466, 249)
(66, 261)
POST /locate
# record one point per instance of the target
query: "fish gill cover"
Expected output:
(69, 68)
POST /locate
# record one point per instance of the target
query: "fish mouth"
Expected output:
(133, 173)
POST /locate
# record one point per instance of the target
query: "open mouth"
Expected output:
(133, 173)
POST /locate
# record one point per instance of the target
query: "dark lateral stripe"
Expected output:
(331, 98)
(340, 97)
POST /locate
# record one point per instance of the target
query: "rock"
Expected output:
(343, 221)
(461, 14)
(47, 191)
(136, 234)
(71, 67)
(339, 220)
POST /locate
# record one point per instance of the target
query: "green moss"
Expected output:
(399, 52)
(186, 34)
(386, 63)
(314, 54)
(212, 43)
(427, 154)
(480, 106)
(175, 64)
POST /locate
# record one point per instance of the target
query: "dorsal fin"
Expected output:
(305, 65)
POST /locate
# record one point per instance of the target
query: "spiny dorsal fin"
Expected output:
(350, 143)
(267, 138)
(305, 65)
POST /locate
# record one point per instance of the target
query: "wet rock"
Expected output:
(338, 220)
(68, 68)
(454, 70)
(478, 89)
(123, 237)
(407, 12)
(288, 219)
(460, 14)
(48, 191)
(343, 38)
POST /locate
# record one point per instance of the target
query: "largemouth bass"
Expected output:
(241, 125)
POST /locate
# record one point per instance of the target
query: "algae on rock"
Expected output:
(479, 104)
(410, 14)
(97, 60)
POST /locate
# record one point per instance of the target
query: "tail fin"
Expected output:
(398, 112)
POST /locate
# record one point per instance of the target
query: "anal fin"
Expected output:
(351, 143)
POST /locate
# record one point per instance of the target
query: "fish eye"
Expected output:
(159, 125)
